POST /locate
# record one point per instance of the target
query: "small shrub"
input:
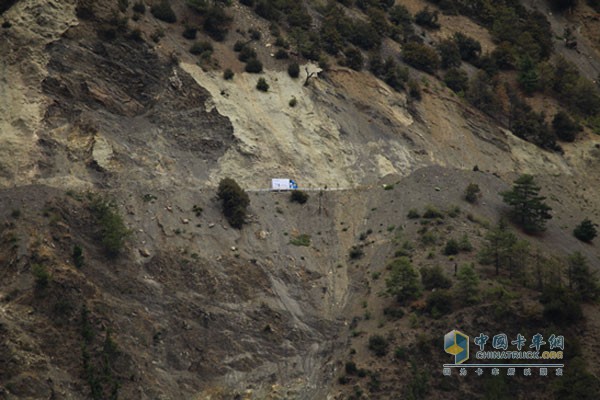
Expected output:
(201, 47)
(453, 211)
(136, 34)
(164, 12)
(428, 19)
(262, 85)
(378, 345)
(401, 353)
(254, 34)
(472, 193)
(78, 258)
(139, 7)
(429, 238)
(586, 230)
(414, 89)
(301, 240)
(420, 56)
(293, 102)
(156, 35)
(16, 213)
(470, 49)
(356, 252)
(439, 303)
(298, 196)
(42, 276)
(281, 54)
(197, 210)
(393, 312)
(113, 232)
(434, 278)
(190, 32)
(464, 244)
(431, 212)
(247, 53)
(254, 66)
(564, 127)
(228, 74)
(353, 59)
(123, 4)
(457, 80)
(413, 214)
(294, 70)
(451, 247)
(216, 22)
(238, 46)
(351, 368)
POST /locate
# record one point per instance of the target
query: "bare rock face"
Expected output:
(102, 152)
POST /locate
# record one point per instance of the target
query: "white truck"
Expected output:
(283, 184)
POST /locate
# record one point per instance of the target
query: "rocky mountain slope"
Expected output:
(93, 109)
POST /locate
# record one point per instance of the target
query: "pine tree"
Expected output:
(585, 231)
(528, 208)
(468, 283)
(403, 281)
(499, 243)
(581, 278)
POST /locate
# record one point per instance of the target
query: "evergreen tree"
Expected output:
(234, 201)
(564, 127)
(585, 231)
(581, 278)
(449, 53)
(468, 283)
(528, 208)
(403, 281)
(498, 246)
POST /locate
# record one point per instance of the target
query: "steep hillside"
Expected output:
(121, 278)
